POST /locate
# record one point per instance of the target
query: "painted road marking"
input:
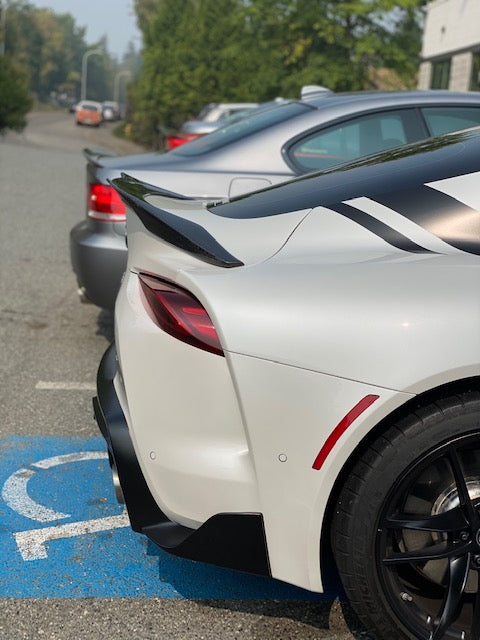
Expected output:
(15, 493)
(89, 550)
(31, 544)
(65, 386)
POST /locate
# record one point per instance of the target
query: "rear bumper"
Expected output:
(99, 261)
(233, 540)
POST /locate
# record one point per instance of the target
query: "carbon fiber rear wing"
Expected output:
(174, 229)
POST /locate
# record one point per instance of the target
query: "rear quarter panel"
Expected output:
(308, 335)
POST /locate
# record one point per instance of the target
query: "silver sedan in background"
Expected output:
(270, 145)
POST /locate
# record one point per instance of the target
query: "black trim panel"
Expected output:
(184, 234)
(233, 540)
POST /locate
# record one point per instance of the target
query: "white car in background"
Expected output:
(110, 110)
(296, 374)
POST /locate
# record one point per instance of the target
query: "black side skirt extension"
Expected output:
(233, 540)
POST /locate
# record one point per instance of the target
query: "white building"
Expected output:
(451, 46)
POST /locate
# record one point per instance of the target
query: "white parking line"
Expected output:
(65, 386)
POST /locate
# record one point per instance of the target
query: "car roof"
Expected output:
(395, 170)
(385, 98)
(90, 103)
(269, 143)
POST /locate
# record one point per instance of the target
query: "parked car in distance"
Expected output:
(110, 111)
(194, 129)
(269, 146)
(211, 117)
(296, 376)
(215, 111)
(88, 112)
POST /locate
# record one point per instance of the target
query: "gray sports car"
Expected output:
(270, 145)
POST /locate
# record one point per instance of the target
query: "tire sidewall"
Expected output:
(387, 460)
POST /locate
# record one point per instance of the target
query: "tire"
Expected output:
(406, 546)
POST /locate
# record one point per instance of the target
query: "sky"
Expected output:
(113, 18)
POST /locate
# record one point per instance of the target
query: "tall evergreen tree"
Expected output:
(15, 101)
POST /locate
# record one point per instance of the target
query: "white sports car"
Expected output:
(297, 375)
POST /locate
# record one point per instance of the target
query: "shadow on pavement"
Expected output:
(105, 324)
(274, 609)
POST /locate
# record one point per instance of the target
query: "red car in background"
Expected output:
(89, 112)
(211, 117)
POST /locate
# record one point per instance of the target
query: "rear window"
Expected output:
(259, 119)
(353, 139)
(89, 107)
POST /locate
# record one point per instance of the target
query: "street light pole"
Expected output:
(3, 26)
(86, 55)
(116, 88)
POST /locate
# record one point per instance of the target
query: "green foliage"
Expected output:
(15, 101)
(200, 51)
(47, 45)
(50, 48)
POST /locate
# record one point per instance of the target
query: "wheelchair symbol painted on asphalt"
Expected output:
(32, 543)
(55, 544)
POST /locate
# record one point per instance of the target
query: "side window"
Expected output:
(353, 139)
(446, 119)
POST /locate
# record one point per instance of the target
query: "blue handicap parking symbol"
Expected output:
(63, 534)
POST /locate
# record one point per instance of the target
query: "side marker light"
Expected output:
(340, 429)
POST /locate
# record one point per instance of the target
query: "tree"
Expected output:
(15, 101)
(198, 51)
(339, 43)
(50, 47)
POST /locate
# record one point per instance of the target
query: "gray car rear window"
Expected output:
(257, 121)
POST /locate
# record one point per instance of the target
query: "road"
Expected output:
(51, 345)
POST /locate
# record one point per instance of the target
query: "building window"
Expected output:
(475, 79)
(440, 74)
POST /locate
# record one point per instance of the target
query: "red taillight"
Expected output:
(105, 204)
(180, 314)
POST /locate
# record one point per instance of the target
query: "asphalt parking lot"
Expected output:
(70, 565)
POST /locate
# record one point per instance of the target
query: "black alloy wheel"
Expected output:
(406, 533)
(428, 543)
